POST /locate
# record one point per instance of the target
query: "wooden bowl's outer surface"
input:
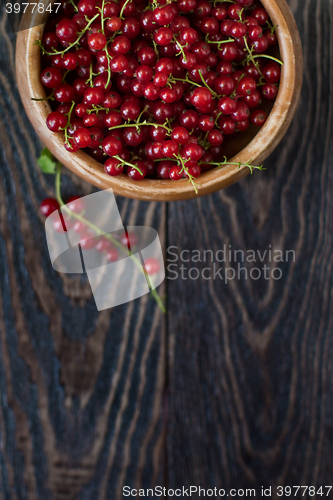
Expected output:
(28, 77)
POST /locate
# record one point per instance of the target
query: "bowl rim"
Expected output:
(257, 150)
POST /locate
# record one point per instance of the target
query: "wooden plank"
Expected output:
(81, 390)
(250, 394)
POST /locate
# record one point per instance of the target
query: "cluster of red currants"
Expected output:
(153, 88)
(68, 221)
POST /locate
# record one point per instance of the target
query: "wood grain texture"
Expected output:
(249, 379)
(81, 390)
(250, 386)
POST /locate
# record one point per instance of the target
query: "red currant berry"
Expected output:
(137, 174)
(206, 123)
(131, 27)
(228, 51)
(50, 41)
(151, 91)
(56, 121)
(227, 125)
(114, 24)
(176, 173)
(87, 241)
(132, 136)
(113, 167)
(227, 105)
(272, 73)
(246, 86)
(242, 112)
(192, 151)
(163, 169)
(112, 255)
(66, 31)
(215, 137)
(51, 77)
(160, 79)
(225, 85)
(96, 41)
(261, 44)
(112, 100)
(255, 32)
(112, 146)
(49, 206)
(260, 15)
(269, 91)
(168, 95)
(180, 135)
(238, 30)
(64, 93)
(82, 137)
(169, 148)
(186, 5)
(193, 169)
(93, 95)
(253, 100)
(76, 204)
(201, 97)
(258, 117)
(143, 73)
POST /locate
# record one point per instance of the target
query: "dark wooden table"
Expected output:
(233, 387)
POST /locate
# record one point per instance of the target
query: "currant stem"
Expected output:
(239, 164)
(75, 7)
(125, 125)
(127, 163)
(181, 48)
(49, 97)
(206, 85)
(102, 17)
(190, 177)
(123, 8)
(68, 122)
(250, 56)
(89, 81)
(98, 232)
(70, 45)
(220, 42)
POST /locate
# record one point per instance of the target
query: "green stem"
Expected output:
(127, 163)
(235, 91)
(68, 122)
(173, 80)
(49, 97)
(38, 42)
(108, 237)
(250, 56)
(268, 57)
(125, 125)
(206, 85)
(123, 8)
(181, 48)
(64, 76)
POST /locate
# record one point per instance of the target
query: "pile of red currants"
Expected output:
(112, 246)
(152, 88)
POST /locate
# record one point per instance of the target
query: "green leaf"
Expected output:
(47, 162)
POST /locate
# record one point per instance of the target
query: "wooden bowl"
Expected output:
(251, 145)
